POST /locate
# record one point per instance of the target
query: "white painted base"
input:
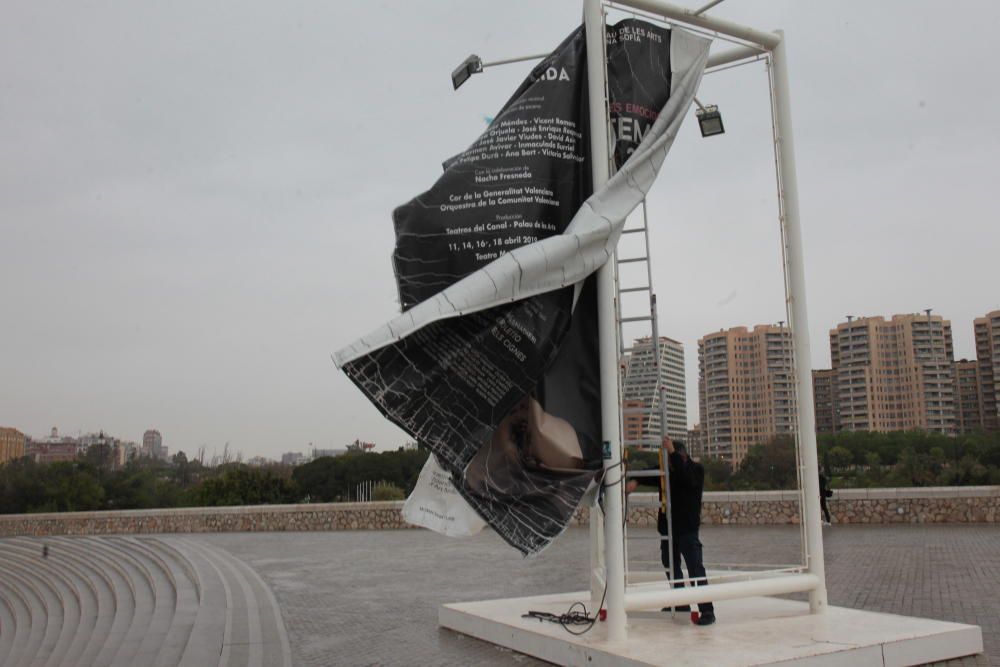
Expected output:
(749, 631)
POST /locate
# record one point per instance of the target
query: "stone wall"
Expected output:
(320, 516)
(970, 504)
(963, 504)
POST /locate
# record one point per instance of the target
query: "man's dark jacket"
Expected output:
(687, 480)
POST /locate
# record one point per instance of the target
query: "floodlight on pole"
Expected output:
(474, 65)
(471, 65)
(710, 121)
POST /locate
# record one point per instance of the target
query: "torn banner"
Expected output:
(493, 363)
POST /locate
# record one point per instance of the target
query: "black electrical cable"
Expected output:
(571, 617)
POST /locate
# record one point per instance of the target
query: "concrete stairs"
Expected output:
(119, 601)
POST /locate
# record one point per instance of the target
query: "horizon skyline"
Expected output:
(379, 447)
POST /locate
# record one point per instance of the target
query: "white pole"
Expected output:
(732, 55)
(614, 557)
(768, 40)
(796, 280)
(656, 597)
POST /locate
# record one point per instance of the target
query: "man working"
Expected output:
(687, 480)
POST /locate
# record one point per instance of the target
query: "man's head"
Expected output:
(681, 449)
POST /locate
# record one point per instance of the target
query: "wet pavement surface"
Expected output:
(371, 597)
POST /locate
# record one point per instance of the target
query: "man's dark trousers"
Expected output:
(689, 546)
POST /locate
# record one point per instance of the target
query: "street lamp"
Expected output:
(710, 121)
(471, 65)
(474, 65)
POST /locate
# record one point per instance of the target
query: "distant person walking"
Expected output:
(824, 493)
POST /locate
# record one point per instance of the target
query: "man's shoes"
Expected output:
(683, 607)
(706, 618)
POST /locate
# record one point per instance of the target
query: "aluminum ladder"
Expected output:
(630, 314)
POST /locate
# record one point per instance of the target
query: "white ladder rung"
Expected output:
(644, 288)
(632, 259)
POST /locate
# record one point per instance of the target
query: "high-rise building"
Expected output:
(825, 400)
(11, 444)
(969, 414)
(894, 375)
(696, 442)
(644, 376)
(746, 389)
(987, 329)
(152, 445)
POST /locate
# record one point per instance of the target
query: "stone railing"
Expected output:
(968, 504)
(946, 504)
(264, 518)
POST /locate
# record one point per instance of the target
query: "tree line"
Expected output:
(858, 459)
(853, 459)
(91, 483)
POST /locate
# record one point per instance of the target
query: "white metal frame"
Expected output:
(611, 587)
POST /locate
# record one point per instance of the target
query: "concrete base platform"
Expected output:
(749, 631)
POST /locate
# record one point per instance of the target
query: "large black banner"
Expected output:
(507, 397)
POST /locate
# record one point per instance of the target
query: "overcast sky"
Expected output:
(195, 197)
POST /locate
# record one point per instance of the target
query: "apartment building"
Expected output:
(696, 441)
(643, 377)
(969, 413)
(152, 445)
(746, 389)
(825, 400)
(11, 444)
(893, 375)
(987, 331)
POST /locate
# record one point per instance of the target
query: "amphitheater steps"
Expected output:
(134, 600)
(272, 634)
(14, 638)
(37, 621)
(112, 588)
(125, 639)
(212, 623)
(241, 645)
(8, 626)
(79, 601)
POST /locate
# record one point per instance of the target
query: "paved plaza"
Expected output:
(372, 597)
(360, 598)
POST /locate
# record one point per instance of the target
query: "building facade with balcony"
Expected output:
(12, 444)
(825, 400)
(969, 413)
(987, 331)
(642, 379)
(746, 389)
(893, 375)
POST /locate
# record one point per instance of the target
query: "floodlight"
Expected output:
(710, 121)
(472, 65)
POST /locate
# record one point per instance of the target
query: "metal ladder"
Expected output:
(649, 316)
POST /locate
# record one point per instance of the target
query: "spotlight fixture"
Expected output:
(710, 121)
(472, 65)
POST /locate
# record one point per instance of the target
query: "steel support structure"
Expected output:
(617, 598)
(613, 491)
